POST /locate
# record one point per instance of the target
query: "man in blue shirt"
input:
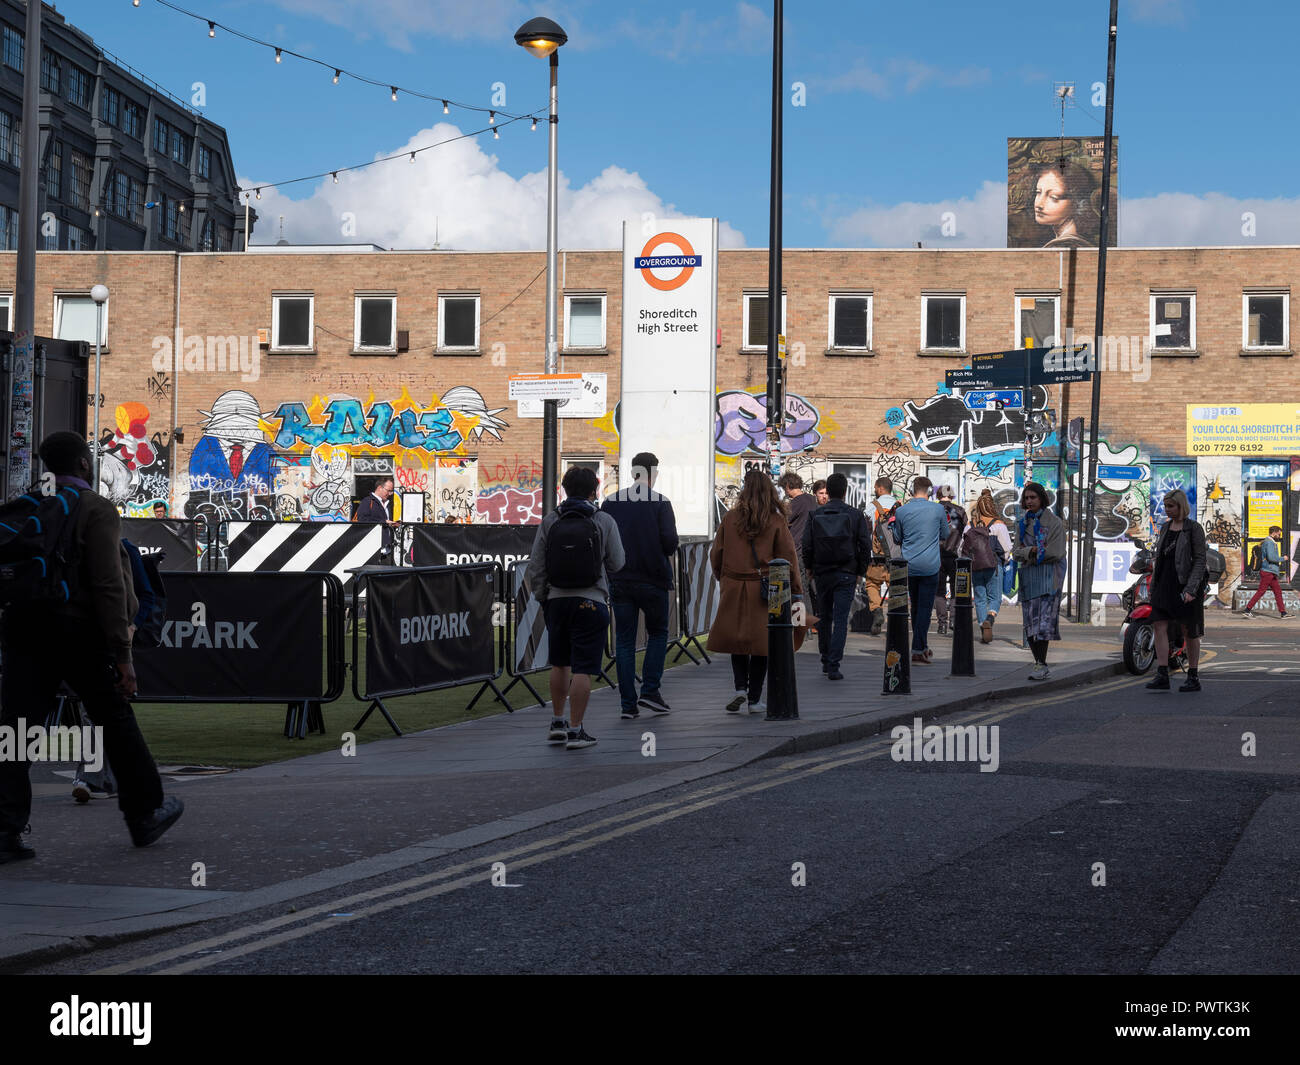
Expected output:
(920, 526)
(648, 530)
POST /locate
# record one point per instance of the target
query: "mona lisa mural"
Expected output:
(1054, 192)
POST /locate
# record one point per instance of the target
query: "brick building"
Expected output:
(303, 374)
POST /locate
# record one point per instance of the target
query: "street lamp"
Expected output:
(100, 295)
(542, 37)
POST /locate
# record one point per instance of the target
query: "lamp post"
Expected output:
(100, 295)
(542, 37)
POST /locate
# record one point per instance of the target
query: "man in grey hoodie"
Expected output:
(568, 573)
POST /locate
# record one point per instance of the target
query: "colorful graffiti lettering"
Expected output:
(510, 506)
(740, 424)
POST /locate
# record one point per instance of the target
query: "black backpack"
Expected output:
(38, 548)
(150, 593)
(574, 558)
(957, 523)
(1256, 563)
(833, 542)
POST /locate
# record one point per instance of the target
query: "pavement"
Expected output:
(280, 832)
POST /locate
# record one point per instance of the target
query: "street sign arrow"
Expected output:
(1119, 473)
(1010, 398)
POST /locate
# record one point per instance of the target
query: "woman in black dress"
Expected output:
(1178, 590)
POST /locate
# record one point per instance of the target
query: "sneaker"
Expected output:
(654, 702)
(578, 739)
(13, 848)
(146, 830)
(834, 674)
(1039, 672)
(559, 733)
(628, 714)
(1285, 616)
(1247, 613)
(1191, 684)
(737, 702)
(758, 708)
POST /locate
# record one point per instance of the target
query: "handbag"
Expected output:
(762, 577)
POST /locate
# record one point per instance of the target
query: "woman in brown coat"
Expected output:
(754, 531)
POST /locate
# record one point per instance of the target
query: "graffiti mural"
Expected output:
(509, 490)
(740, 424)
(942, 425)
(133, 466)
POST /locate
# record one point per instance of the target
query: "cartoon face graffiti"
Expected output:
(232, 455)
(329, 488)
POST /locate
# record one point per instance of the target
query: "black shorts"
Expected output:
(576, 630)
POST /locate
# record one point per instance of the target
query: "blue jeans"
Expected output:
(986, 588)
(628, 599)
(921, 590)
(834, 601)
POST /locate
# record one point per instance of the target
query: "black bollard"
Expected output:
(782, 697)
(963, 626)
(898, 636)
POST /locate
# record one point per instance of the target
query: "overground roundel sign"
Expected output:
(685, 262)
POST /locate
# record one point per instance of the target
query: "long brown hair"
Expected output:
(985, 509)
(758, 504)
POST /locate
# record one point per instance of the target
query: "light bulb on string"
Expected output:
(412, 157)
(444, 107)
(259, 194)
(496, 134)
(336, 76)
(279, 54)
(394, 88)
(335, 176)
(534, 125)
(492, 118)
(212, 29)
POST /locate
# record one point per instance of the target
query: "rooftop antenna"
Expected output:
(436, 245)
(1064, 93)
(282, 227)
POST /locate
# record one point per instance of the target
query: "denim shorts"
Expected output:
(577, 630)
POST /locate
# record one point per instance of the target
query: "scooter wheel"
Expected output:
(1139, 648)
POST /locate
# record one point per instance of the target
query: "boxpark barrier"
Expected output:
(454, 607)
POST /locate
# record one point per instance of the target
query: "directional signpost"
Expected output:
(1119, 473)
(999, 399)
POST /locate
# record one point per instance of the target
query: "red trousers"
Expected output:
(1267, 581)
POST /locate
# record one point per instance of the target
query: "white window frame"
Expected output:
(569, 297)
(744, 319)
(926, 297)
(442, 319)
(1055, 297)
(1167, 294)
(1286, 320)
(310, 297)
(59, 297)
(567, 462)
(9, 317)
(356, 321)
(830, 319)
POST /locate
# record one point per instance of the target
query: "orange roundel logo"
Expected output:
(684, 262)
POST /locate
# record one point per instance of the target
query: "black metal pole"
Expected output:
(963, 628)
(1090, 481)
(898, 636)
(775, 325)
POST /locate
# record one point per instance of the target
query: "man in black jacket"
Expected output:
(649, 533)
(373, 510)
(836, 551)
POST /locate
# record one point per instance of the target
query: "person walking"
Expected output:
(1178, 582)
(1040, 554)
(85, 642)
(1270, 573)
(987, 544)
(576, 546)
(800, 505)
(948, 549)
(648, 531)
(883, 550)
(754, 531)
(920, 526)
(820, 494)
(836, 551)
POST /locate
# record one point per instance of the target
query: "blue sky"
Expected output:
(665, 109)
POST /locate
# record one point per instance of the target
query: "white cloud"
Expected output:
(460, 192)
(911, 75)
(1167, 12)
(1170, 219)
(745, 28)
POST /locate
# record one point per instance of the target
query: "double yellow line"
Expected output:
(216, 950)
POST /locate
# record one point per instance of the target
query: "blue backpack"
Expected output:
(38, 548)
(151, 593)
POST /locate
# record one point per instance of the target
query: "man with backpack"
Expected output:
(949, 549)
(883, 550)
(920, 526)
(836, 551)
(648, 532)
(75, 626)
(575, 546)
(1266, 559)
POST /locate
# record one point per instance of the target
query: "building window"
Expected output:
(225, 238)
(171, 219)
(1266, 320)
(458, 323)
(77, 239)
(11, 138)
(161, 138)
(859, 488)
(8, 228)
(50, 241)
(1173, 321)
(74, 319)
(850, 318)
(291, 323)
(49, 72)
(205, 236)
(110, 102)
(205, 161)
(755, 324)
(83, 169)
(79, 87)
(1038, 318)
(7, 310)
(584, 322)
(54, 171)
(375, 323)
(13, 49)
(943, 322)
(132, 119)
(180, 147)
